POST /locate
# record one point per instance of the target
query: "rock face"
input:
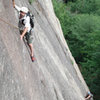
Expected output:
(54, 75)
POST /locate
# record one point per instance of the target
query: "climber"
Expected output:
(89, 96)
(25, 27)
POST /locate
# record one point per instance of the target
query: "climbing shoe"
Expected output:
(32, 58)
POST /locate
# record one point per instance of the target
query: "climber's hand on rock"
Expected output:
(21, 37)
(13, 3)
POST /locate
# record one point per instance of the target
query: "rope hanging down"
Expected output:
(9, 23)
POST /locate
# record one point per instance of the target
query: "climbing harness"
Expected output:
(8, 23)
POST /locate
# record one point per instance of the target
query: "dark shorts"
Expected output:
(28, 37)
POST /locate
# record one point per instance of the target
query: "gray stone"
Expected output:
(54, 75)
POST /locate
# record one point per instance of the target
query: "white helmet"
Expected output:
(24, 9)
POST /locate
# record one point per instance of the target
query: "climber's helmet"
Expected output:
(24, 10)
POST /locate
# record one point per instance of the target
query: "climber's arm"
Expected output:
(27, 27)
(13, 1)
(24, 32)
(88, 97)
(15, 6)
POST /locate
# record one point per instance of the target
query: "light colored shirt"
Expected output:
(26, 21)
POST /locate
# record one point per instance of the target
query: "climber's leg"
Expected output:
(31, 49)
(29, 39)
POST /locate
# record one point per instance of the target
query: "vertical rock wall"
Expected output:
(54, 75)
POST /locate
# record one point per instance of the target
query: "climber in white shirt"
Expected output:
(25, 26)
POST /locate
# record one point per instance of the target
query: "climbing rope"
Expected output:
(8, 23)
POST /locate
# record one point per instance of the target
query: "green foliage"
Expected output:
(31, 1)
(65, 17)
(86, 6)
(80, 22)
(69, 1)
(85, 24)
(91, 64)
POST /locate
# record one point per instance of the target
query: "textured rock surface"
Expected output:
(54, 75)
